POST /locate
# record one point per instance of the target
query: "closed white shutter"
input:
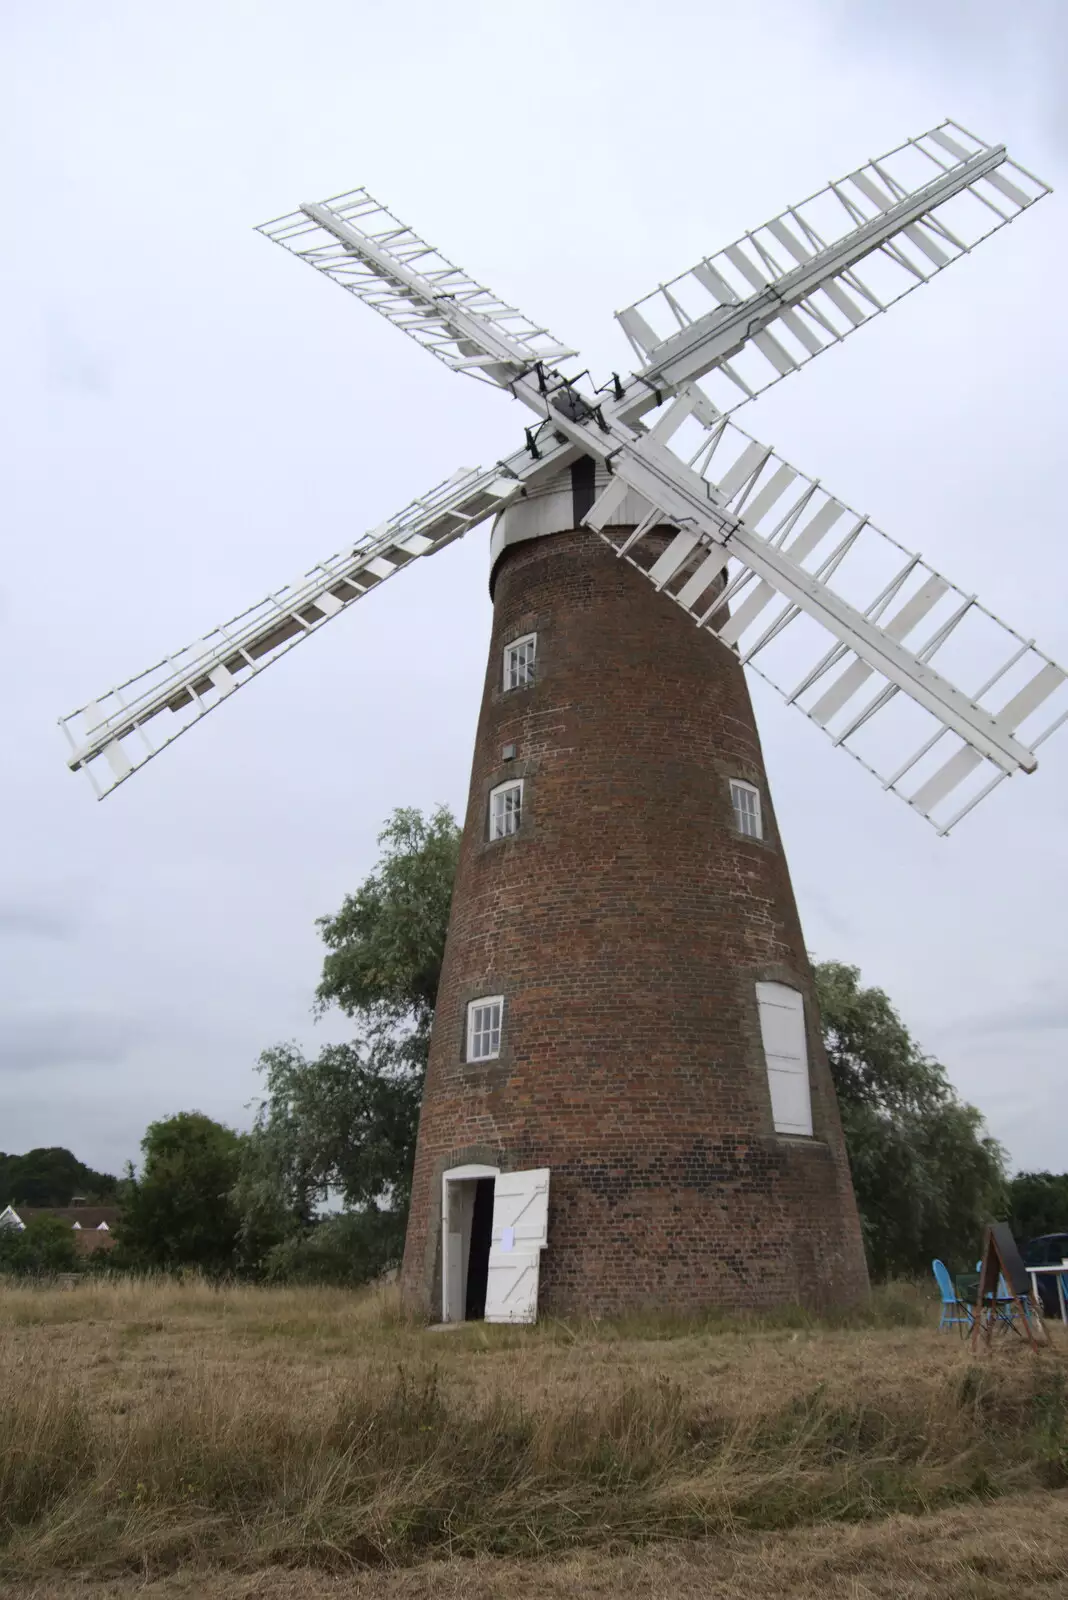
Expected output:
(782, 1028)
(520, 1230)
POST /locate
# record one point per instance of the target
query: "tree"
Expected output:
(1037, 1204)
(51, 1177)
(180, 1211)
(346, 1121)
(387, 941)
(46, 1245)
(926, 1175)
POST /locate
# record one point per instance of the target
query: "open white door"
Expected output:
(520, 1229)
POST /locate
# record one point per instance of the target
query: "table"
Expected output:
(1061, 1270)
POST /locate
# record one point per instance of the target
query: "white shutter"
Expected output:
(782, 1028)
(520, 1229)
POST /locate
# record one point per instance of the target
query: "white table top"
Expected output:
(1053, 1266)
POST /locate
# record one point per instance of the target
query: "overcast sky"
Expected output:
(191, 417)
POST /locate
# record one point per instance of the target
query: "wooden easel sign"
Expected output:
(1017, 1309)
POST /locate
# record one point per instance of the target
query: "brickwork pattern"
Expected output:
(626, 924)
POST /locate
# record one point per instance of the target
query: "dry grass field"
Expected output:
(158, 1438)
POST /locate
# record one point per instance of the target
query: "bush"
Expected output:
(347, 1250)
(44, 1247)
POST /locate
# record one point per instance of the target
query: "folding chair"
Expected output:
(955, 1313)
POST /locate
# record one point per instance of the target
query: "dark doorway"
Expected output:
(478, 1260)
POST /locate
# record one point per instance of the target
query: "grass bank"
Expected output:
(153, 1427)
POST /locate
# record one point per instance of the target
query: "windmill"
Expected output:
(626, 1007)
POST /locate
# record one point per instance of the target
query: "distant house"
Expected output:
(94, 1225)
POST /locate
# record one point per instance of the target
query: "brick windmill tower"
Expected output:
(626, 1013)
(627, 1102)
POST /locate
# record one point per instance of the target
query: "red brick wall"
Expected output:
(627, 924)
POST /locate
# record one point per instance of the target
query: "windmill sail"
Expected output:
(355, 241)
(768, 303)
(924, 686)
(861, 634)
(117, 733)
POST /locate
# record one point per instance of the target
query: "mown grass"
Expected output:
(150, 1426)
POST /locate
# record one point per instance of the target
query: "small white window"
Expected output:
(484, 1028)
(746, 802)
(519, 662)
(506, 809)
(782, 1028)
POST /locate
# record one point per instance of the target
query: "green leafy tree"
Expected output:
(926, 1174)
(51, 1177)
(1038, 1203)
(386, 942)
(348, 1248)
(180, 1211)
(46, 1245)
(345, 1121)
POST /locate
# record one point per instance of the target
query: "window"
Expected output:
(506, 809)
(746, 802)
(484, 1028)
(782, 1028)
(519, 662)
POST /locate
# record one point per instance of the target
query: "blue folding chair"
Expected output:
(955, 1313)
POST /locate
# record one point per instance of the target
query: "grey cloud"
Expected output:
(33, 1039)
(1038, 1016)
(35, 922)
(1026, 44)
(70, 364)
(822, 907)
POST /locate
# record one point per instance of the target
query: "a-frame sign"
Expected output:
(1015, 1305)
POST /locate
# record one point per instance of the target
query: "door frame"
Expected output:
(455, 1175)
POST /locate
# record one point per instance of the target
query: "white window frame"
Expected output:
(740, 786)
(782, 1030)
(484, 1003)
(505, 832)
(531, 666)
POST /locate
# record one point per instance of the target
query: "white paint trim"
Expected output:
(456, 1239)
(505, 833)
(516, 644)
(472, 1007)
(744, 787)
